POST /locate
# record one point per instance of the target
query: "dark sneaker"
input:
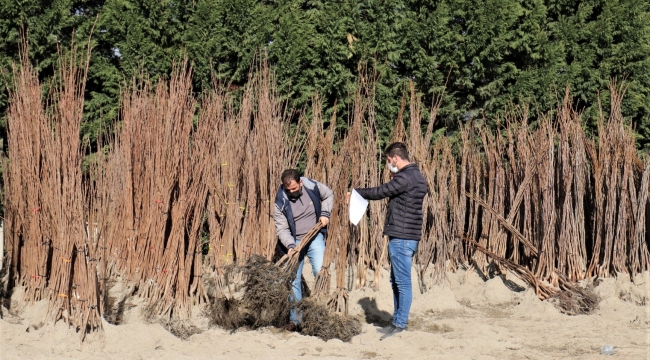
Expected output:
(392, 331)
(385, 329)
(291, 327)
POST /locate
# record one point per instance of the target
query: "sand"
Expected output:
(465, 317)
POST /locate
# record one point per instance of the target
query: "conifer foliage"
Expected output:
(488, 53)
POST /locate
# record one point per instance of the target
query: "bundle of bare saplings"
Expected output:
(178, 210)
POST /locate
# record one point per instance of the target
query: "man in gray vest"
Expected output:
(299, 204)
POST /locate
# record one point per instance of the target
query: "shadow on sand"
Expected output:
(373, 314)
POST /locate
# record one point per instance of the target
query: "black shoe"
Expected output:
(385, 329)
(392, 331)
(388, 328)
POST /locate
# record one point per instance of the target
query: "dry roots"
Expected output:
(181, 329)
(570, 299)
(575, 300)
(265, 302)
(317, 320)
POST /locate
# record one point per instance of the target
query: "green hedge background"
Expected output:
(489, 53)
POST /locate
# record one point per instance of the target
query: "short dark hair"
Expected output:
(399, 149)
(290, 174)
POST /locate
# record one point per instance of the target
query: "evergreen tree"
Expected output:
(490, 53)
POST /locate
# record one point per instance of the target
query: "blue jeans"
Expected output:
(315, 251)
(401, 254)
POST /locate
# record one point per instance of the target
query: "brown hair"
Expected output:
(290, 174)
(398, 149)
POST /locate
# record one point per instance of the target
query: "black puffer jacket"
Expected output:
(406, 192)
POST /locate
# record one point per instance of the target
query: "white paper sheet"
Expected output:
(358, 206)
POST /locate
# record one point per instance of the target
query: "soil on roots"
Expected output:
(576, 300)
(226, 313)
(318, 321)
(181, 328)
(265, 302)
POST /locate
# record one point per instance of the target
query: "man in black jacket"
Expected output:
(403, 226)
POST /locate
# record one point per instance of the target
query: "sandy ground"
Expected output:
(464, 318)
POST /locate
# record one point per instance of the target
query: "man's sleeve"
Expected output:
(326, 198)
(396, 186)
(282, 229)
